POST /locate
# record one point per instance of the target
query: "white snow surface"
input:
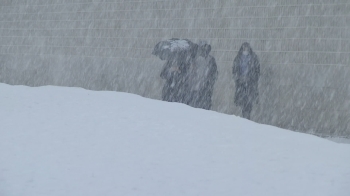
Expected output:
(60, 141)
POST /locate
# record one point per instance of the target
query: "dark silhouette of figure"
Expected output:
(178, 54)
(174, 72)
(246, 73)
(201, 77)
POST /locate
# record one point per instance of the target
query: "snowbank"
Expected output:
(57, 141)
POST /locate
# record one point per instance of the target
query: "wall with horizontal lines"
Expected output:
(303, 46)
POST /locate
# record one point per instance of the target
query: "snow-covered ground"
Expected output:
(340, 140)
(57, 141)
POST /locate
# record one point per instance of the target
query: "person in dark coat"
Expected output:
(201, 78)
(174, 72)
(246, 73)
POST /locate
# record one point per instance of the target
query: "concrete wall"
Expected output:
(304, 49)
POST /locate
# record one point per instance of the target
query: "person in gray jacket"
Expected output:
(246, 73)
(201, 77)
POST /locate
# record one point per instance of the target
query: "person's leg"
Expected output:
(196, 99)
(190, 98)
(246, 110)
(207, 99)
(165, 93)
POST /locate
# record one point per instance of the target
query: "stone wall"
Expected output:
(303, 46)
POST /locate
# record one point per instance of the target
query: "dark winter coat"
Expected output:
(173, 90)
(201, 98)
(246, 86)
